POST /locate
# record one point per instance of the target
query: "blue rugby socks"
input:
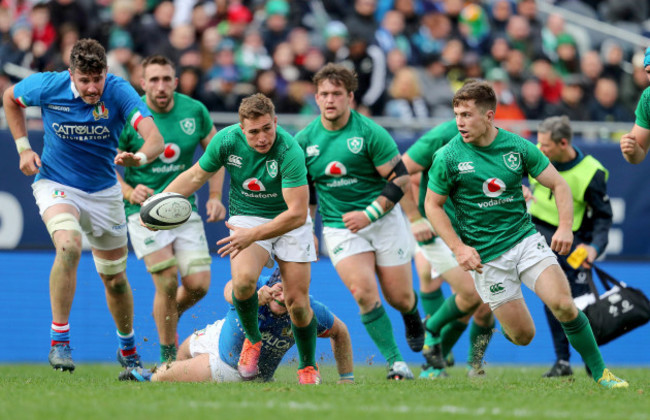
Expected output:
(59, 333)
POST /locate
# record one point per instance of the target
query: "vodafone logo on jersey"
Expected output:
(253, 184)
(171, 153)
(493, 187)
(336, 169)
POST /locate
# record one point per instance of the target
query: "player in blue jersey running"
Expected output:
(211, 354)
(84, 111)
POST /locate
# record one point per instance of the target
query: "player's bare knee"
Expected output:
(243, 290)
(68, 249)
(197, 284)
(166, 282)
(299, 313)
(564, 309)
(523, 338)
(116, 284)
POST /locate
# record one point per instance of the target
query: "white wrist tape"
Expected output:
(143, 158)
(22, 144)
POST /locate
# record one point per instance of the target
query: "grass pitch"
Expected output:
(93, 392)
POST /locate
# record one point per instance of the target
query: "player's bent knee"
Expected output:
(110, 267)
(166, 282)
(523, 338)
(564, 309)
(191, 262)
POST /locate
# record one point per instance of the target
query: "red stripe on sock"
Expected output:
(59, 342)
(129, 352)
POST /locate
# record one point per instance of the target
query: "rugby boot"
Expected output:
(135, 374)
(130, 361)
(414, 331)
(609, 381)
(248, 360)
(60, 357)
(434, 357)
(399, 371)
(309, 376)
(560, 368)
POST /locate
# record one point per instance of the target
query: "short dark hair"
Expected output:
(479, 91)
(338, 75)
(158, 59)
(255, 106)
(558, 127)
(88, 56)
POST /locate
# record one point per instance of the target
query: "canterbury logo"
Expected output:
(235, 160)
(497, 288)
(465, 166)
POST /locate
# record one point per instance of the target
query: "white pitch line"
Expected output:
(495, 412)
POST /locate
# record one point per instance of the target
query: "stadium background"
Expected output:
(27, 255)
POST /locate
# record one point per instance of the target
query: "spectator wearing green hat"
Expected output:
(276, 25)
(336, 37)
(568, 60)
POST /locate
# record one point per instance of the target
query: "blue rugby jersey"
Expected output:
(80, 141)
(277, 337)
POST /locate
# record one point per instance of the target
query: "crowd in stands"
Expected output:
(410, 55)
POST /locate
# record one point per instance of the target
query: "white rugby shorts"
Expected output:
(190, 236)
(388, 238)
(294, 246)
(101, 214)
(502, 277)
(207, 341)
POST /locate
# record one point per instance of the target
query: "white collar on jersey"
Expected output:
(74, 90)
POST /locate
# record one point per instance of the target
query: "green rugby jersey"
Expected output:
(484, 185)
(183, 128)
(422, 153)
(342, 164)
(643, 110)
(256, 179)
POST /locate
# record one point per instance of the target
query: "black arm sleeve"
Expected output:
(312, 191)
(391, 191)
(599, 211)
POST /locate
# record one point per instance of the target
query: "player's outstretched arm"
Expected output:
(153, 145)
(563, 237)
(189, 181)
(30, 161)
(467, 257)
(634, 145)
(342, 349)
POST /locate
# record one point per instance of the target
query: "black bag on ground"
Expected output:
(617, 311)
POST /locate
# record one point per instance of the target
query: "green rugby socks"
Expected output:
(247, 313)
(380, 330)
(582, 339)
(306, 343)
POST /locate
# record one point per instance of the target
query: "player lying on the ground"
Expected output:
(212, 353)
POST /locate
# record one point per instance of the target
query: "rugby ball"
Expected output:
(165, 211)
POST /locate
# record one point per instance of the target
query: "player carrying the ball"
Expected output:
(269, 218)
(186, 124)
